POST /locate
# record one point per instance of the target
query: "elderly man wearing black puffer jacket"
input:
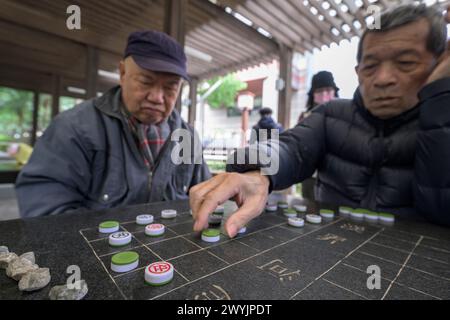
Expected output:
(387, 149)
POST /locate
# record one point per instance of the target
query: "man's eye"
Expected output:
(171, 87)
(406, 63)
(369, 66)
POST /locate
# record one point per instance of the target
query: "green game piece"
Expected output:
(360, 211)
(109, 224)
(386, 215)
(326, 211)
(372, 214)
(282, 202)
(290, 211)
(211, 232)
(124, 258)
(346, 209)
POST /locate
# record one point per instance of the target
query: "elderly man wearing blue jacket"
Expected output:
(117, 150)
(387, 149)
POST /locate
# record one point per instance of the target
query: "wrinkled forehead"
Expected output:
(412, 37)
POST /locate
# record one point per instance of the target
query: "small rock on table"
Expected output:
(64, 293)
(18, 267)
(6, 258)
(35, 280)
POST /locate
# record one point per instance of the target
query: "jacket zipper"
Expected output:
(370, 201)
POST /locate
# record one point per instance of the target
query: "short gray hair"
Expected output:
(405, 14)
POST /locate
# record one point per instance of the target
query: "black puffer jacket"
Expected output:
(401, 165)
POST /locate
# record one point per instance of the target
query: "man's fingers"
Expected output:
(249, 210)
(198, 192)
(223, 192)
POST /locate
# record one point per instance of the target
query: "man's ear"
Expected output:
(122, 71)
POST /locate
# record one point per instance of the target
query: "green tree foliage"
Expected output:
(225, 95)
(16, 111)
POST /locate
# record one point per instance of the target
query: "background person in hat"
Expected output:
(116, 149)
(265, 123)
(323, 89)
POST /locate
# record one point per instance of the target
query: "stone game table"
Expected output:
(272, 260)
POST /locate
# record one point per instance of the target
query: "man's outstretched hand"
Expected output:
(249, 191)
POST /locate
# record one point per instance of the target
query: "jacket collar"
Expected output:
(389, 124)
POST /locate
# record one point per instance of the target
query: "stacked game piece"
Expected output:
(271, 207)
(154, 230)
(119, 239)
(124, 261)
(290, 213)
(144, 219)
(300, 208)
(169, 214)
(108, 227)
(314, 218)
(211, 235)
(327, 214)
(159, 273)
(283, 205)
(296, 222)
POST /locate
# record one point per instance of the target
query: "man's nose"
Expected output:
(156, 95)
(385, 76)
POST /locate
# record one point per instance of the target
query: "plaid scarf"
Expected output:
(149, 138)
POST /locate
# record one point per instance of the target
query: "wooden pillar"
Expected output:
(285, 94)
(56, 93)
(193, 86)
(174, 25)
(91, 72)
(174, 19)
(35, 117)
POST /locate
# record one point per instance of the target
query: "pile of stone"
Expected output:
(24, 269)
(31, 277)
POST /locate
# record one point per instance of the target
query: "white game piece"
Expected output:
(345, 211)
(386, 217)
(296, 222)
(219, 210)
(327, 214)
(290, 213)
(242, 230)
(313, 218)
(144, 219)
(271, 207)
(211, 235)
(371, 217)
(108, 227)
(124, 261)
(215, 219)
(159, 273)
(358, 214)
(154, 230)
(168, 214)
(283, 205)
(300, 208)
(119, 239)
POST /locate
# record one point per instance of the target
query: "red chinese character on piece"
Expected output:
(155, 226)
(159, 267)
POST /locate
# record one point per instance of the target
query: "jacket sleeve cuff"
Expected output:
(248, 168)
